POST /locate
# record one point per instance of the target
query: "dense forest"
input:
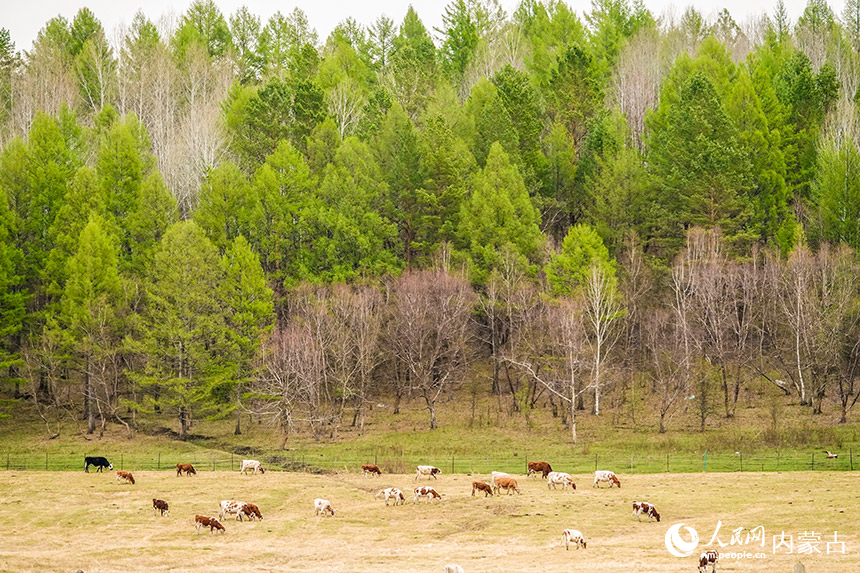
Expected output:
(212, 214)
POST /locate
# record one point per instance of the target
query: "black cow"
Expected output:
(97, 461)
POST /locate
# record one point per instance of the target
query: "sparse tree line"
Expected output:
(212, 215)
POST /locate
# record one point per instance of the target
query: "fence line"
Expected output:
(396, 460)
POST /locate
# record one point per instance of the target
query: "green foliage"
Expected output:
(499, 220)
(837, 190)
(12, 296)
(181, 328)
(204, 26)
(568, 270)
(701, 175)
(225, 205)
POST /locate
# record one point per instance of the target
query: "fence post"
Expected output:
(631, 463)
(595, 462)
(812, 466)
(120, 462)
(850, 459)
(705, 466)
(231, 462)
(777, 460)
(667, 463)
(159, 460)
(452, 463)
(46, 461)
(742, 461)
(7, 460)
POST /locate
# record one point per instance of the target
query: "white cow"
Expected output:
(230, 507)
(607, 476)
(252, 465)
(452, 568)
(427, 471)
(323, 506)
(392, 493)
(559, 478)
(496, 475)
(574, 536)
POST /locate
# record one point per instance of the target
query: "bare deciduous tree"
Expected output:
(430, 332)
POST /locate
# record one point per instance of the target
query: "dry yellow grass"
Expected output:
(64, 521)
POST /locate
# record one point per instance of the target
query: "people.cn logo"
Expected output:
(677, 546)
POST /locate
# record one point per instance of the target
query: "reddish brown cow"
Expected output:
(210, 522)
(187, 468)
(251, 511)
(161, 505)
(483, 486)
(121, 475)
(543, 467)
(370, 469)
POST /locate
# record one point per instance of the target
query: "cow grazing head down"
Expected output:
(251, 511)
(210, 522)
(482, 486)
(370, 469)
(124, 476)
(98, 461)
(323, 506)
(428, 492)
(574, 536)
(187, 468)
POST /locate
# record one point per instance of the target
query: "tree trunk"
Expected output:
(432, 407)
(88, 399)
(238, 430)
(183, 423)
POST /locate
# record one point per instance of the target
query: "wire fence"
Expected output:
(395, 460)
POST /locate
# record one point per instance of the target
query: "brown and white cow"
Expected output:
(709, 557)
(607, 476)
(124, 476)
(160, 505)
(427, 471)
(496, 475)
(210, 522)
(559, 478)
(643, 507)
(323, 506)
(574, 536)
(392, 493)
(428, 492)
(187, 468)
(453, 568)
(482, 486)
(370, 469)
(507, 484)
(249, 465)
(539, 467)
(230, 507)
(250, 511)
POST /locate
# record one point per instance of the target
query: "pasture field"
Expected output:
(69, 521)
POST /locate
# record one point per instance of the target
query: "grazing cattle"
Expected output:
(161, 505)
(507, 484)
(559, 478)
(323, 506)
(210, 522)
(428, 492)
(250, 511)
(99, 462)
(640, 507)
(539, 467)
(427, 471)
(831, 455)
(252, 465)
(482, 486)
(709, 557)
(187, 468)
(452, 568)
(607, 476)
(231, 506)
(496, 475)
(392, 493)
(124, 476)
(370, 469)
(569, 536)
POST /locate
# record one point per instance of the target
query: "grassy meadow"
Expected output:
(69, 521)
